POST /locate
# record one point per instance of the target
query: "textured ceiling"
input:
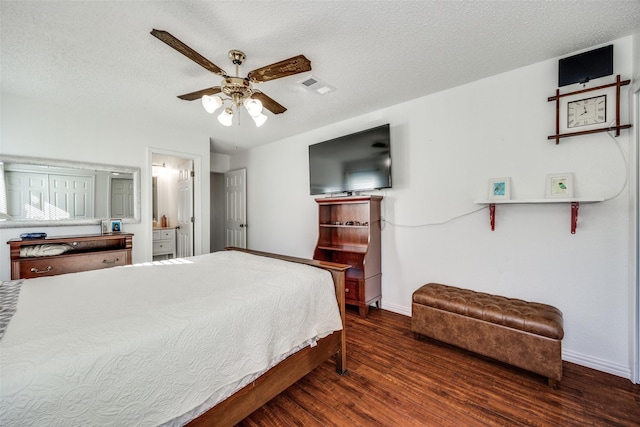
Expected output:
(98, 56)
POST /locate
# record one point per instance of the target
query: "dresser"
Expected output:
(68, 254)
(164, 243)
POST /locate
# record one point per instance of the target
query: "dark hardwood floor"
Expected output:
(395, 380)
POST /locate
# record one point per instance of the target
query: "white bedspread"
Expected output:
(153, 345)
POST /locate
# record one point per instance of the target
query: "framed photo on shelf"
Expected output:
(116, 226)
(500, 189)
(559, 186)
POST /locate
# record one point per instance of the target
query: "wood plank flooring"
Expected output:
(395, 380)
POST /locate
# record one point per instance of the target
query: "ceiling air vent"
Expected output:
(316, 85)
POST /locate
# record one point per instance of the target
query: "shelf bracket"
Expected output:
(574, 216)
(492, 216)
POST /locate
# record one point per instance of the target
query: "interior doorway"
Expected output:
(174, 201)
(217, 212)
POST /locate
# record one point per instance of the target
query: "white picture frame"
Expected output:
(500, 188)
(560, 186)
(106, 226)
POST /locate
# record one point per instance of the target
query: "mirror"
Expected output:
(37, 192)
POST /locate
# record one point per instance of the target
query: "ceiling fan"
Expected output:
(239, 90)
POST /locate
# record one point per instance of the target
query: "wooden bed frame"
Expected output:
(238, 406)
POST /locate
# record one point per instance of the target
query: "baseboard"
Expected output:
(396, 309)
(567, 355)
(597, 364)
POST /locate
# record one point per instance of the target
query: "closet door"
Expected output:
(27, 195)
(70, 197)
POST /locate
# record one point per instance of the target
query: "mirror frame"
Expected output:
(74, 165)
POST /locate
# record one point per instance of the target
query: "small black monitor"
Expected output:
(585, 66)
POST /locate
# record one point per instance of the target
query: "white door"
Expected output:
(70, 197)
(235, 184)
(184, 232)
(122, 198)
(27, 195)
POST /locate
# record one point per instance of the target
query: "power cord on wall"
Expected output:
(624, 161)
(429, 224)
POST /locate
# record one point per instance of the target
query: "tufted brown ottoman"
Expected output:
(524, 334)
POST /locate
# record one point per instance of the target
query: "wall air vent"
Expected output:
(314, 84)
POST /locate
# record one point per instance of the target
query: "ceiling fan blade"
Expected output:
(187, 51)
(288, 67)
(200, 93)
(269, 103)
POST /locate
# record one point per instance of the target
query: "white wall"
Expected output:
(445, 148)
(30, 128)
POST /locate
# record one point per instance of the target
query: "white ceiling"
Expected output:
(98, 56)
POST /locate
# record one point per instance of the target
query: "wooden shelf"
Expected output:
(574, 202)
(359, 249)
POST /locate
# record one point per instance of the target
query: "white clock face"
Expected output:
(588, 111)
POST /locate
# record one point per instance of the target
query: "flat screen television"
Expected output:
(585, 66)
(352, 163)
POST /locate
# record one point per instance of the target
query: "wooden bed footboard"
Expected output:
(242, 403)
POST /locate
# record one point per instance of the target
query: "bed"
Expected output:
(197, 341)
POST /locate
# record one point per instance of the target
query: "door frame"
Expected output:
(197, 195)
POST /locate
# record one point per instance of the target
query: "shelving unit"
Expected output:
(349, 233)
(575, 206)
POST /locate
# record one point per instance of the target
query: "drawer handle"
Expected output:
(346, 289)
(35, 270)
(104, 261)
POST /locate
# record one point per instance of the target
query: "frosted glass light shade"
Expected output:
(211, 103)
(226, 117)
(253, 106)
(259, 119)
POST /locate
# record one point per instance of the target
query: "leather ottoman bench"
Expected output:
(524, 334)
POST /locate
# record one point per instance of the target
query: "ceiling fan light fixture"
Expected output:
(211, 103)
(253, 106)
(226, 117)
(259, 119)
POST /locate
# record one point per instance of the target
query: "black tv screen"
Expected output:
(352, 163)
(585, 66)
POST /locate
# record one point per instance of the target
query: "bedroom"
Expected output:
(440, 169)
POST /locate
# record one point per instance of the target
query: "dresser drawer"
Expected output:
(351, 289)
(72, 263)
(161, 247)
(163, 234)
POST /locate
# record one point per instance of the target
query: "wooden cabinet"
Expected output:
(89, 252)
(164, 243)
(349, 233)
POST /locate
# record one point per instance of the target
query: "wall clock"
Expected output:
(586, 115)
(589, 111)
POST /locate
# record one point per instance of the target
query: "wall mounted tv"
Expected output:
(352, 163)
(585, 66)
